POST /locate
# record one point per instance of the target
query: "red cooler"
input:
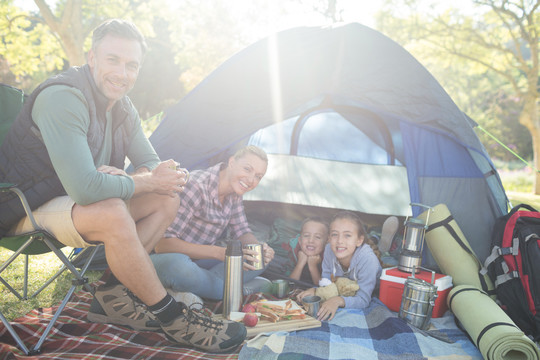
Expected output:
(393, 282)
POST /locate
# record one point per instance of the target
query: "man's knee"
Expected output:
(110, 217)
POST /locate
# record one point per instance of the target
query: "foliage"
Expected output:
(487, 59)
(158, 85)
(187, 40)
(487, 73)
(26, 47)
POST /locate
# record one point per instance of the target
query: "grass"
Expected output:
(41, 268)
(517, 198)
(518, 185)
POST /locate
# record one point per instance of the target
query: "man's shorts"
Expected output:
(55, 217)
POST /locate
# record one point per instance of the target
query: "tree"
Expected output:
(329, 9)
(37, 45)
(69, 28)
(187, 39)
(500, 38)
(25, 48)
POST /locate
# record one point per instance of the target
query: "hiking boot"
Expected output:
(115, 304)
(197, 330)
(191, 300)
(388, 231)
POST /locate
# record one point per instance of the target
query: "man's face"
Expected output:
(115, 64)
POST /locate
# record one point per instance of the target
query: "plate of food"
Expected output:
(268, 315)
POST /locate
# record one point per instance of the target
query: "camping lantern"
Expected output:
(413, 242)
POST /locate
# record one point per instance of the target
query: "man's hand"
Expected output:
(164, 179)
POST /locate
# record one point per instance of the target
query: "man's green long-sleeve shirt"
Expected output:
(62, 116)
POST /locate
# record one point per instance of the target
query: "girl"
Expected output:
(348, 254)
(307, 254)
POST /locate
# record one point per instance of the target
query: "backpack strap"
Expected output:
(507, 276)
(517, 207)
(497, 252)
(450, 229)
(500, 251)
(532, 236)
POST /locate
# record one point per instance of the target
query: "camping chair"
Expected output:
(35, 242)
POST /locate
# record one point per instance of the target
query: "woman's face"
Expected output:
(313, 238)
(245, 173)
(344, 240)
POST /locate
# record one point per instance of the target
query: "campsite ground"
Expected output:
(518, 185)
(519, 198)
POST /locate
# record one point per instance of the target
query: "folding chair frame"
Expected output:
(47, 239)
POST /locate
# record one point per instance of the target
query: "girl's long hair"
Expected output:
(349, 215)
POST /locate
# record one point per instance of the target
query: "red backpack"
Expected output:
(514, 267)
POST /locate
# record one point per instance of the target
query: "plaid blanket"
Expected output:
(73, 337)
(372, 333)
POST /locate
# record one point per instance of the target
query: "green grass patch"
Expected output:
(40, 269)
(518, 183)
(517, 198)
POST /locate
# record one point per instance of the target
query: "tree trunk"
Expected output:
(72, 45)
(529, 119)
(536, 162)
(68, 29)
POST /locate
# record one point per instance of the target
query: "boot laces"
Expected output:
(193, 317)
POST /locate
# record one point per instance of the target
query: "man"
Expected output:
(66, 150)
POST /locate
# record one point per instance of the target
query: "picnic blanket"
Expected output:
(371, 333)
(75, 338)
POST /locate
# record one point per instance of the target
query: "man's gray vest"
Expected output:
(24, 159)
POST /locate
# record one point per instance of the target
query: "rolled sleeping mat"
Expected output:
(452, 251)
(488, 326)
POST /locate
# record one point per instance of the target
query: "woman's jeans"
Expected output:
(204, 278)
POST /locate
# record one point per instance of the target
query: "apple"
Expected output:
(249, 308)
(251, 319)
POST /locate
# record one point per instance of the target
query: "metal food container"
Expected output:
(417, 302)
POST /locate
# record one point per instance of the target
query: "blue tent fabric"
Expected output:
(350, 65)
(347, 94)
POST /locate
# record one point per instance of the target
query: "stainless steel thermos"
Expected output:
(233, 287)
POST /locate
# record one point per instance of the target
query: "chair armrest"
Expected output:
(4, 187)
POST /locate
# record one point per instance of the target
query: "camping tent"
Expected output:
(350, 121)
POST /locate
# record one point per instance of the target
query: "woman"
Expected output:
(187, 259)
